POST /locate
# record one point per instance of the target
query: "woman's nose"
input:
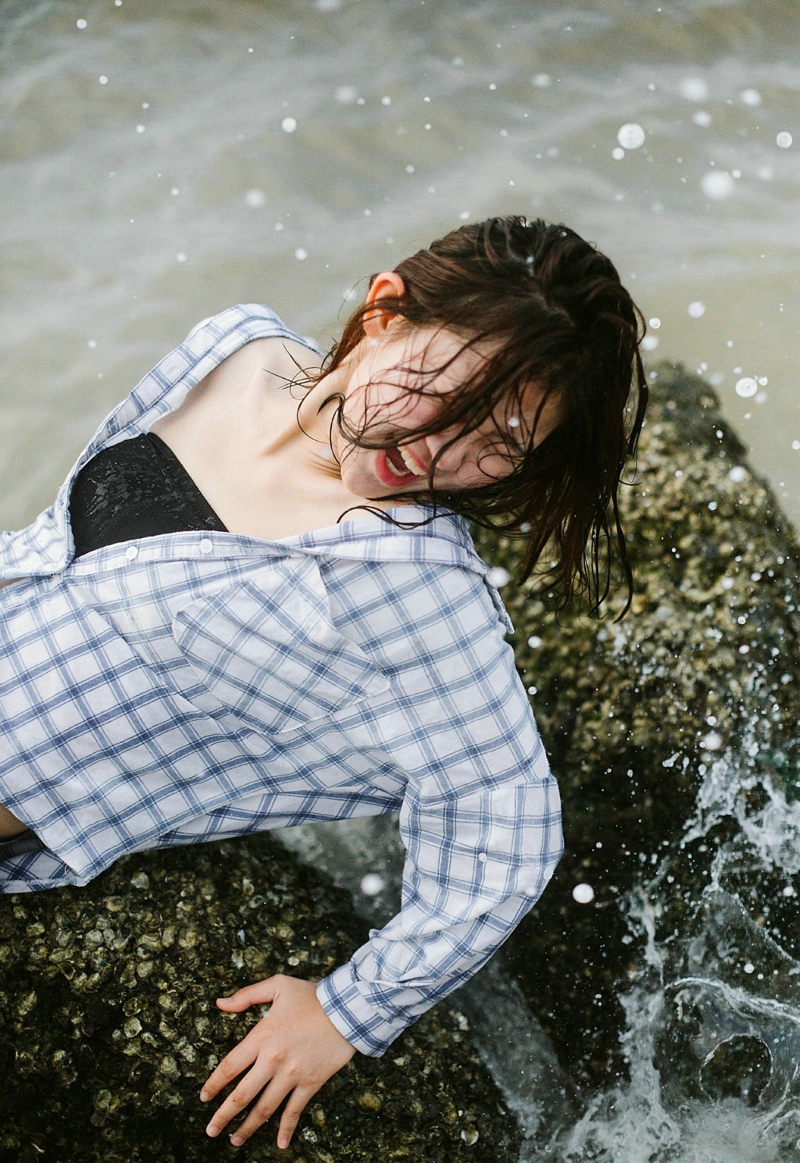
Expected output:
(450, 447)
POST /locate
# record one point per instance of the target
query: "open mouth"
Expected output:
(396, 467)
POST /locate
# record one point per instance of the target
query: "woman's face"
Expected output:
(378, 404)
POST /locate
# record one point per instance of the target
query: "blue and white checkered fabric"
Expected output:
(190, 687)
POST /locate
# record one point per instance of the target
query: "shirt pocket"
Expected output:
(266, 650)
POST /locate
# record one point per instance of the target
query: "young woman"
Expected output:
(255, 602)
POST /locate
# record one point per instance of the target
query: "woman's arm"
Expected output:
(475, 866)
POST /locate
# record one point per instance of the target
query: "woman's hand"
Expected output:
(293, 1050)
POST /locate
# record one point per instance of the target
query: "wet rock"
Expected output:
(109, 1023)
(673, 735)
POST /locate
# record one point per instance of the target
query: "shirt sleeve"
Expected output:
(480, 821)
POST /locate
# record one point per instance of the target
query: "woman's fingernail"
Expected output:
(236, 1140)
(204, 1096)
(212, 1131)
(283, 1144)
(223, 999)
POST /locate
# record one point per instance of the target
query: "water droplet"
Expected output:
(617, 153)
(631, 135)
(655, 323)
(534, 641)
(702, 118)
(464, 215)
(372, 884)
(180, 256)
(712, 741)
(409, 169)
(174, 191)
(542, 80)
(301, 253)
(499, 576)
(103, 80)
(141, 128)
(81, 23)
(345, 95)
(746, 387)
(288, 125)
(750, 97)
(717, 184)
(784, 139)
(583, 894)
(693, 89)
(749, 967)
(386, 100)
(255, 198)
(696, 309)
(650, 343)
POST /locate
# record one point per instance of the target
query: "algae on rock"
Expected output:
(110, 1026)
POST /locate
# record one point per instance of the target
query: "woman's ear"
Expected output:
(386, 285)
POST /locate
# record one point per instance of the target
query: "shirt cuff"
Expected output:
(341, 996)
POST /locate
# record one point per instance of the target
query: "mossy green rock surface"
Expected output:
(634, 714)
(109, 1024)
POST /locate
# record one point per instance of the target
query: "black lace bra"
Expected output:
(137, 488)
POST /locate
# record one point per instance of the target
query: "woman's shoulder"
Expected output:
(251, 321)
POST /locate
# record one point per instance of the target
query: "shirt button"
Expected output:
(131, 553)
(206, 545)
(482, 857)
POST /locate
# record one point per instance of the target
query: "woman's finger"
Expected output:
(250, 1086)
(291, 1114)
(268, 1104)
(242, 1055)
(249, 995)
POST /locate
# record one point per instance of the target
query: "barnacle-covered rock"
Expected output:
(109, 1024)
(685, 709)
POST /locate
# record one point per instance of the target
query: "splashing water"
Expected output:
(713, 1015)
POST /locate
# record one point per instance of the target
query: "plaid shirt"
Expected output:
(190, 687)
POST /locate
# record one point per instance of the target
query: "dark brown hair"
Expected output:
(550, 311)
